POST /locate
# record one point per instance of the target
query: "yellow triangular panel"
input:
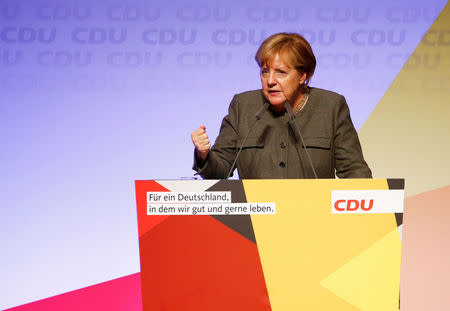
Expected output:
(367, 289)
(408, 133)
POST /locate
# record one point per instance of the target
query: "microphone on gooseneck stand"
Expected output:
(298, 134)
(257, 117)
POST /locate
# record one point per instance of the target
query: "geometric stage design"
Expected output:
(124, 294)
(408, 135)
(302, 258)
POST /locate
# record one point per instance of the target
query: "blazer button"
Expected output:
(283, 145)
(282, 164)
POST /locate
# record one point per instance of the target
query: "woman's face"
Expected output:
(281, 82)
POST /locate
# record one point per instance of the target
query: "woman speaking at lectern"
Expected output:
(287, 129)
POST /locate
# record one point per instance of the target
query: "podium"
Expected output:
(326, 244)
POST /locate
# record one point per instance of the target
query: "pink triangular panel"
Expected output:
(122, 294)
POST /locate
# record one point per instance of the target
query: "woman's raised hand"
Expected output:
(201, 142)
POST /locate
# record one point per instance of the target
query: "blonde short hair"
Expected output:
(293, 48)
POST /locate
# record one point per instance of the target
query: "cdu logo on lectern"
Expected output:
(353, 205)
(366, 201)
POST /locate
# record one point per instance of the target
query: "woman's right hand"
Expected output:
(201, 142)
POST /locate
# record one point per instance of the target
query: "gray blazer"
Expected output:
(273, 151)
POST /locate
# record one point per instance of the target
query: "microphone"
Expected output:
(257, 117)
(298, 134)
